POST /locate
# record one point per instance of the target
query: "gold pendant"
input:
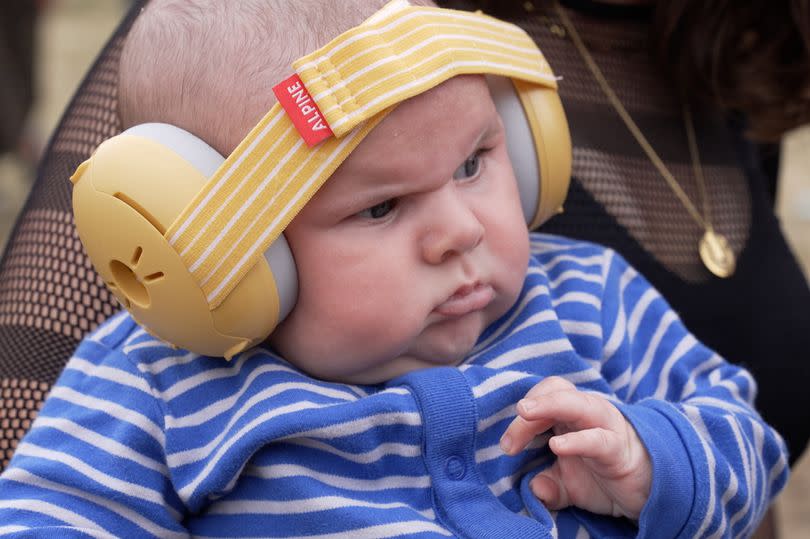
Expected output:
(716, 254)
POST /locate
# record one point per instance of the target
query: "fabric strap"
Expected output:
(354, 80)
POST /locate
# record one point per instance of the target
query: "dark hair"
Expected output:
(752, 56)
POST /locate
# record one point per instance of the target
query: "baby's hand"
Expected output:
(601, 465)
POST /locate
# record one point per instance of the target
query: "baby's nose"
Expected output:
(452, 229)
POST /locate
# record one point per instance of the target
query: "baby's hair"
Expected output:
(208, 66)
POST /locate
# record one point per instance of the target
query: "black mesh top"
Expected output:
(50, 296)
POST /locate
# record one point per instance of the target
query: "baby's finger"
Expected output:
(520, 432)
(552, 384)
(602, 446)
(577, 409)
(550, 489)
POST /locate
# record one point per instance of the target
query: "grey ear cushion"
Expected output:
(191, 148)
(280, 258)
(207, 160)
(519, 141)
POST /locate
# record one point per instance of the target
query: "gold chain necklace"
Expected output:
(713, 247)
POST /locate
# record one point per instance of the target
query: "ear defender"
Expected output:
(538, 143)
(192, 243)
(124, 199)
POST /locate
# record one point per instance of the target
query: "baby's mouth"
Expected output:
(468, 298)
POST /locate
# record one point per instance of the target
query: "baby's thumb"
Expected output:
(549, 489)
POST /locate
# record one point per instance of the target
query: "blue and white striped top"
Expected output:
(137, 439)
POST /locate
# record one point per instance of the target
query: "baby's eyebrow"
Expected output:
(356, 195)
(380, 191)
(491, 128)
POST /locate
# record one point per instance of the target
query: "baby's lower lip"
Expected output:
(466, 301)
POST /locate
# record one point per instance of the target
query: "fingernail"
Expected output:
(506, 443)
(527, 404)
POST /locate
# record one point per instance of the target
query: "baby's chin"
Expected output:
(443, 344)
(391, 369)
(367, 370)
(446, 342)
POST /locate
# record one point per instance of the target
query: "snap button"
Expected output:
(455, 468)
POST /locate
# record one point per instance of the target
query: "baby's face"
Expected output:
(413, 246)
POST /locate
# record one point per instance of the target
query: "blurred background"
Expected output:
(62, 37)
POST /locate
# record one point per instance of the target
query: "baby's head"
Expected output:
(208, 66)
(414, 245)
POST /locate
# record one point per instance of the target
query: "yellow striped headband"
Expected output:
(192, 245)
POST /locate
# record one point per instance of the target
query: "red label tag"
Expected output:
(302, 110)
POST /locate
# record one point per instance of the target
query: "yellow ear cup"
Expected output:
(538, 142)
(124, 198)
(552, 141)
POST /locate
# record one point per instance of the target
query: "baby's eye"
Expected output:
(470, 168)
(378, 211)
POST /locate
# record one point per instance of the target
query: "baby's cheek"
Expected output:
(347, 338)
(515, 256)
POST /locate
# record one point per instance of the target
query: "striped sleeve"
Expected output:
(71, 477)
(716, 464)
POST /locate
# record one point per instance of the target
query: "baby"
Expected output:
(443, 371)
